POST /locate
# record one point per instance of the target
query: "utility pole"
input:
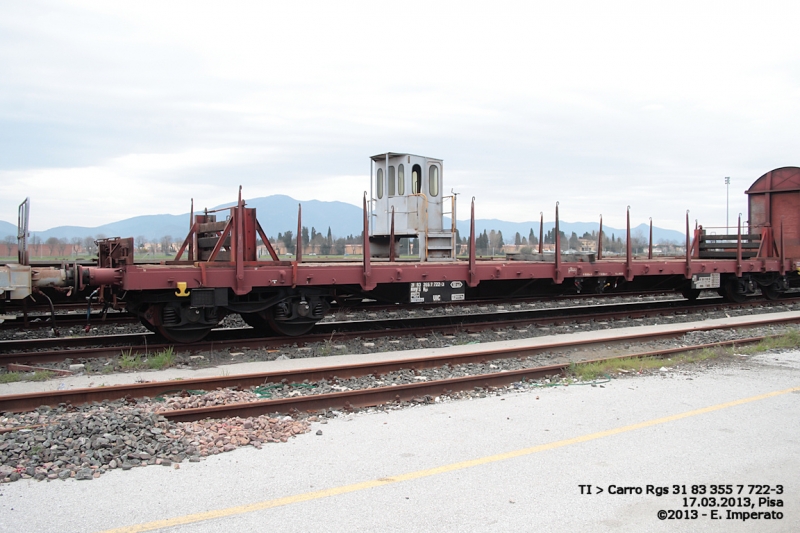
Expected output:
(727, 202)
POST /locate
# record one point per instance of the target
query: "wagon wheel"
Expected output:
(258, 322)
(691, 294)
(771, 292)
(291, 328)
(254, 320)
(183, 336)
(148, 325)
(732, 292)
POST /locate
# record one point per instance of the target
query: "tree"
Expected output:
(9, 241)
(36, 241)
(166, 244)
(304, 233)
(89, 244)
(532, 238)
(62, 245)
(639, 242)
(75, 243)
(288, 241)
(517, 239)
(574, 243)
(52, 244)
(339, 246)
(550, 236)
(482, 243)
(325, 246)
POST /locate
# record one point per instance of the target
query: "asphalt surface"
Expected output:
(509, 463)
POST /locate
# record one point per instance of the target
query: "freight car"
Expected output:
(216, 271)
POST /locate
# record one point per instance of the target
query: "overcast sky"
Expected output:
(110, 110)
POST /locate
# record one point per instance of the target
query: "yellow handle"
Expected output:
(181, 289)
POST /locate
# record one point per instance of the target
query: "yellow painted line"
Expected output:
(318, 494)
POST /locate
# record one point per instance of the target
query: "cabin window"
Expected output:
(433, 180)
(391, 181)
(401, 180)
(416, 179)
(379, 183)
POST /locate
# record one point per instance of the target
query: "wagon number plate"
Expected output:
(437, 291)
(705, 281)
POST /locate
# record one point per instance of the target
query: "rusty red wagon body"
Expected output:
(216, 271)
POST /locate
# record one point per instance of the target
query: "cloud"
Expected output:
(113, 109)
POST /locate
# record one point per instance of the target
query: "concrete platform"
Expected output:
(94, 380)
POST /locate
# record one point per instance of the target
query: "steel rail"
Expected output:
(406, 392)
(30, 401)
(11, 351)
(69, 320)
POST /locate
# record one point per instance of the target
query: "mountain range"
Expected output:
(278, 213)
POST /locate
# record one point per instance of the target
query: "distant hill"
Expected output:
(278, 213)
(7, 228)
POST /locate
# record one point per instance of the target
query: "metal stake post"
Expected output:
(727, 202)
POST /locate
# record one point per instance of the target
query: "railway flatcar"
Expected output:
(216, 271)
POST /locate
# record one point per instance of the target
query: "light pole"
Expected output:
(727, 201)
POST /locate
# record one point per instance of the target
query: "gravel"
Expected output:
(396, 342)
(88, 441)
(85, 442)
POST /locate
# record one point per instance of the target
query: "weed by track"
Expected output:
(593, 371)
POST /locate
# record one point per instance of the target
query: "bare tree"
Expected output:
(639, 243)
(89, 245)
(52, 244)
(75, 242)
(36, 243)
(9, 241)
(166, 243)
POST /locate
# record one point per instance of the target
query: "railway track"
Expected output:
(74, 314)
(53, 350)
(69, 320)
(352, 398)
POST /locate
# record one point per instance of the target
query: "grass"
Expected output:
(40, 375)
(129, 361)
(158, 361)
(13, 377)
(591, 371)
(10, 377)
(782, 342)
(163, 359)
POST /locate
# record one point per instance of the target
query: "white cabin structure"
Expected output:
(411, 187)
